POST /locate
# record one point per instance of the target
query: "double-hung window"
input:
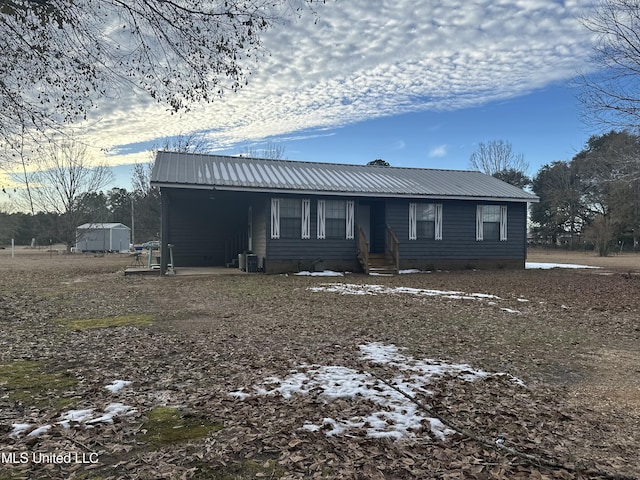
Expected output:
(425, 221)
(491, 222)
(335, 219)
(290, 218)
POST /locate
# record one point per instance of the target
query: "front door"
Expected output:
(378, 227)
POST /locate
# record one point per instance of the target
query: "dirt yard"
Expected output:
(532, 374)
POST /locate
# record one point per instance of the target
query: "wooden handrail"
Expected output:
(393, 248)
(363, 250)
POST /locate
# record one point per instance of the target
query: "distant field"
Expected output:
(620, 262)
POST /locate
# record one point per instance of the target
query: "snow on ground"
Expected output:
(325, 273)
(357, 289)
(88, 417)
(395, 416)
(547, 266)
(117, 385)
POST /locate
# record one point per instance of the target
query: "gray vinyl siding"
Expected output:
(261, 217)
(459, 232)
(209, 228)
(307, 250)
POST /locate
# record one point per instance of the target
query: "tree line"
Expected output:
(592, 199)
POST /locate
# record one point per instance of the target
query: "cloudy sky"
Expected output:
(416, 82)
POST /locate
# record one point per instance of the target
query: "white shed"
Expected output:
(103, 237)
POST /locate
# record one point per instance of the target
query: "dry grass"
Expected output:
(575, 344)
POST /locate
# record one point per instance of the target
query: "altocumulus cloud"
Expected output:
(365, 59)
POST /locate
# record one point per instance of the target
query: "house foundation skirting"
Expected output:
(464, 264)
(299, 265)
(289, 266)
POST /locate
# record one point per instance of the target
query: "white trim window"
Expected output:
(413, 232)
(306, 218)
(350, 224)
(503, 223)
(491, 222)
(336, 219)
(321, 230)
(290, 218)
(425, 221)
(275, 218)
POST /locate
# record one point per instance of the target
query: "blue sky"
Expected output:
(418, 83)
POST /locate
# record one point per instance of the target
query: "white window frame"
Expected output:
(503, 223)
(350, 219)
(413, 221)
(306, 219)
(275, 218)
(438, 226)
(480, 223)
(321, 230)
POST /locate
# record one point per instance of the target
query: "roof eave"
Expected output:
(190, 186)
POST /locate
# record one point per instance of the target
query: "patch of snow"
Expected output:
(396, 416)
(86, 417)
(522, 300)
(240, 394)
(39, 431)
(325, 273)
(412, 270)
(19, 429)
(439, 429)
(358, 289)
(112, 410)
(117, 385)
(311, 427)
(546, 266)
(510, 310)
(79, 416)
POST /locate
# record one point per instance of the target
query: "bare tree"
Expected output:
(18, 153)
(146, 199)
(71, 53)
(611, 95)
(64, 175)
(497, 158)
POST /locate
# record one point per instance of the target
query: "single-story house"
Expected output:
(103, 237)
(295, 215)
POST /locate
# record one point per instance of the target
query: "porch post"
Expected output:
(164, 231)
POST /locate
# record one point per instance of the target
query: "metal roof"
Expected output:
(101, 226)
(198, 171)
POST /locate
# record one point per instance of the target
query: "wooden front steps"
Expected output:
(382, 264)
